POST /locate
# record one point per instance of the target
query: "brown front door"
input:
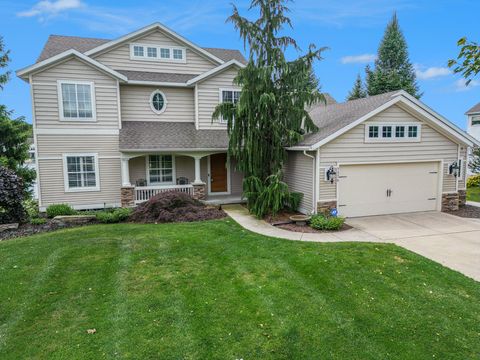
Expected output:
(218, 173)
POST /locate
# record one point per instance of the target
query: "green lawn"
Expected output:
(473, 194)
(212, 290)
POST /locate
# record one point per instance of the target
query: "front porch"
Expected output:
(206, 176)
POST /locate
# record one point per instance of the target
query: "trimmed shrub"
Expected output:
(172, 206)
(473, 181)
(115, 216)
(38, 221)
(31, 207)
(60, 210)
(322, 222)
(11, 197)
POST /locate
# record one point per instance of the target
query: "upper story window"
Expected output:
(76, 100)
(392, 132)
(157, 53)
(81, 172)
(158, 102)
(476, 120)
(229, 95)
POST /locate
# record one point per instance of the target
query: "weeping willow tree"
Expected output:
(270, 114)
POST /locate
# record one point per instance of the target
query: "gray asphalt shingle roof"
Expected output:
(157, 77)
(150, 135)
(474, 110)
(57, 44)
(332, 117)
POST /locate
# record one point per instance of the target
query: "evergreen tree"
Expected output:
(358, 91)
(393, 70)
(271, 112)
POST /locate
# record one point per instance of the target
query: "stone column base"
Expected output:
(324, 207)
(127, 196)
(199, 191)
(462, 197)
(450, 202)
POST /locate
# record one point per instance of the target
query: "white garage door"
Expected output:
(387, 188)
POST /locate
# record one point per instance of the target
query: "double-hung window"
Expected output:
(160, 169)
(76, 100)
(476, 120)
(81, 172)
(228, 95)
(392, 132)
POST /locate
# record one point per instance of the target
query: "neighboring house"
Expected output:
(473, 124)
(117, 121)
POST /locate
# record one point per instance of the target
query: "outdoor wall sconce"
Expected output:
(454, 169)
(330, 174)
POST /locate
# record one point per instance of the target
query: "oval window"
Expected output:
(158, 102)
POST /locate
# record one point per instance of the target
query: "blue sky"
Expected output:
(351, 29)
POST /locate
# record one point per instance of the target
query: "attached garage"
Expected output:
(377, 189)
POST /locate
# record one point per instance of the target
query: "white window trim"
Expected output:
(165, 102)
(145, 57)
(381, 139)
(174, 172)
(65, 173)
(60, 101)
(220, 100)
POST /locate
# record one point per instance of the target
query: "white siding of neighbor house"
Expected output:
(352, 148)
(208, 93)
(299, 175)
(135, 104)
(46, 99)
(119, 58)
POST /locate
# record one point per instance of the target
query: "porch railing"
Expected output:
(144, 193)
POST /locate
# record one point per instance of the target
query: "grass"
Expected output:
(473, 194)
(212, 290)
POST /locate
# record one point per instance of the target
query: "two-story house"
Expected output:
(473, 122)
(117, 121)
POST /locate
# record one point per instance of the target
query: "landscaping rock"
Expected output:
(74, 219)
(4, 227)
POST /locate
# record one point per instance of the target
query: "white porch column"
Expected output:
(125, 173)
(198, 179)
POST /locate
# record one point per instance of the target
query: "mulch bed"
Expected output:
(282, 221)
(467, 211)
(29, 229)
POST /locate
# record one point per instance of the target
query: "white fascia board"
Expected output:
(23, 73)
(158, 83)
(214, 71)
(148, 28)
(439, 120)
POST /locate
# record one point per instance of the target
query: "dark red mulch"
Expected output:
(29, 229)
(467, 211)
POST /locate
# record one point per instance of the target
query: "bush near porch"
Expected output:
(473, 188)
(212, 290)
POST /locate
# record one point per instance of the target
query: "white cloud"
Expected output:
(461, 85)
(432, 72)
(47, 8)
(358, 59)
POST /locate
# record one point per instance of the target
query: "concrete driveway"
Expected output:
(450, 240)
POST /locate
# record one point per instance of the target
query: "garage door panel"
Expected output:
(387, 188)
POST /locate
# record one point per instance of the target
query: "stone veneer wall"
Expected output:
(199, 191)
(127, 196)
(462, 197)
(324, 207)
(450, 202)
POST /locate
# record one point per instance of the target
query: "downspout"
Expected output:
(314, 179)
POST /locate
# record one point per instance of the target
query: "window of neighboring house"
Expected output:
(160, 169)
(81, 172)
(392, 133)
(158, 102)
(165, 53)
(76, 101)
(476, 120)
(229, 96)
(138, 51)
(152, 52)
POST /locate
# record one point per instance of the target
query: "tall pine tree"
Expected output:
(271, 112)
(393, 70)
(358, 91)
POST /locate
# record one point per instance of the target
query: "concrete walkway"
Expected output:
(450, 240)
(473, 203)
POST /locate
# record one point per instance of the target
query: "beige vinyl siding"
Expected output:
(351, 148)
(135, 104)
(236, 179)
(208, 93)
(299, 175)
(119, 57)
(52, 186)
(46, 99)
(56, 145)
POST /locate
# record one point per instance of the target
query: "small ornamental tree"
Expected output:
(358, 91)
(271, 111)
(11, 197)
